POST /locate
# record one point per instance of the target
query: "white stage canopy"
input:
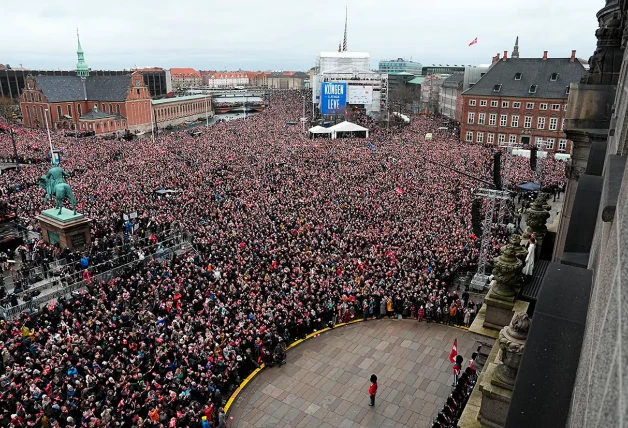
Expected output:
(347, 127)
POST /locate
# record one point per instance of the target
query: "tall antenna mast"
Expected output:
(344, 45)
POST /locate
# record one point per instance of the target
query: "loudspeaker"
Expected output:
(476, 217)
(497, 170)
(533, 151)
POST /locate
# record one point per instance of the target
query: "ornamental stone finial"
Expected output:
(511, 343)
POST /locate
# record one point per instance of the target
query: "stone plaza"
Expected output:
(326, 379)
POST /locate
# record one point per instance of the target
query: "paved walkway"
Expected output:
(325, 382)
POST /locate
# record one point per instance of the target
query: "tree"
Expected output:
(8, 108)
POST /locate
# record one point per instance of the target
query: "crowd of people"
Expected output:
(291, 235)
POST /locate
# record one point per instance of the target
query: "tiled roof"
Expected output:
(529, 71)
(93, 115)
(184, 72)
(454, 81)
(70, 88)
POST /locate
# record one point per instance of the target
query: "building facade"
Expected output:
(225, 79)
(521, 101)
(430, 92)
(287, 80)
(450, 97)
(400, 65)
(174, 111)
(184, 78)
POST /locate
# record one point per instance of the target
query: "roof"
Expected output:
(534, 71)
(320, 130)
(177, 99)
(454, 81)
(347, 127)
(70, 88)
(93, 115)
(417, 80)
(184, 72)
(297, 74)
(401, 73)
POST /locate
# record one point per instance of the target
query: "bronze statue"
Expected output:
(55, 184)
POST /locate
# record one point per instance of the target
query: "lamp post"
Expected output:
(48, 130)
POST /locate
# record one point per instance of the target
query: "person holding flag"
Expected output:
(454, 358)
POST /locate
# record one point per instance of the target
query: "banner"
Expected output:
(333, 97)
(360, 95)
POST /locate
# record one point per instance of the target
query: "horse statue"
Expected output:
(55, 184)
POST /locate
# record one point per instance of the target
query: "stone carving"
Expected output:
(507, 271)
(511, 343)
(520, 251)
(537, 215)
(605, 63)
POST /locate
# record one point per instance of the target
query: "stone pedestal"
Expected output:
(66, 229)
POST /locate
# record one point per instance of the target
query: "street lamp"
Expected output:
(48, 130)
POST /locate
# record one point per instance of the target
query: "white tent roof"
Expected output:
(320, 130)
(347, 127)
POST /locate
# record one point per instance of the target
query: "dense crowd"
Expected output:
(291, 235)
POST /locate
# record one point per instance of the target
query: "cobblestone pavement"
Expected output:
(325, 382)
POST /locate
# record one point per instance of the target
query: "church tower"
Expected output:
(81, 67)
(515, 50)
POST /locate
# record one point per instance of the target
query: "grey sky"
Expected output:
(287, 35)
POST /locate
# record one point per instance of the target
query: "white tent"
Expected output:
(320, 131)
(347, 127)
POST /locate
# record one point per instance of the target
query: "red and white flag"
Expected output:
(454, 351)
(473, 42)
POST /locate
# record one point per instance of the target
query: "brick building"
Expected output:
(521, 101)
(183, 78)
(102, 104)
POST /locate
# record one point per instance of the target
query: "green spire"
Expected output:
(81, 67)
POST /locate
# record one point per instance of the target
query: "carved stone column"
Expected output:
(511, 343)
(536, 217)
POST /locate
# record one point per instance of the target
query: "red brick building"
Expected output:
(103, 104)
(521, 101)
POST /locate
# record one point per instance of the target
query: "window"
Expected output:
(540, 124)
(553, 124)
(59, 112)
(469, 136)
(529, 106)
(497, 88)
(516, 105)
(483, 103)
(517, 76)
(80, 110)
(501, 138)
(567, 91)
(527, 122)
(562, 144)
(70, 110)
(562, 124)
(493, 103)
(118, 108)
(492, 119)
(564, 107)
(553, 77)
(103, 108)
(538, 141)
(503, 120)
(512, 138)
(471, 118)
(543, 106)
(472, 103)
(490, 138)
(481, 118)
(556, 107)
(533, 89)
(549, 144)
(110, 108)
(514, 121)
(480, 137)
(505, 104)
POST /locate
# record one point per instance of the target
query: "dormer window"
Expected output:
(497, 88)
(553, 77)
(517, 76)
(533, 89)
(567, 91)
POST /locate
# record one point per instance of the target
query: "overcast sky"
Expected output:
(287, 35)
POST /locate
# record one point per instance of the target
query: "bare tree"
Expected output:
(8, 108)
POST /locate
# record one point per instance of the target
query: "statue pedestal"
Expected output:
(66, 229)
(499, 310)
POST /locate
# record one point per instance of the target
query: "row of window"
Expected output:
(178, 110)
(514, 121)
(544, 144)
(517, 105)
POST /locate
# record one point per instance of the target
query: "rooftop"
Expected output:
(70, 88)
(177, 99)
(529, 78)
(184, 72)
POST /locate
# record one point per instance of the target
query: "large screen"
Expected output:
(333, 98)
(360, 95)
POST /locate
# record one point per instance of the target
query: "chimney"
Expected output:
(494, 60)
(497, 56)
(544, 55)
(573, 56)
(505, 55)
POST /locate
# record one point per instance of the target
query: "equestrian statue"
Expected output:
(55, 184)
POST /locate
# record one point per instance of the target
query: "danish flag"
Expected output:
(473, 42)
(454, 351)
